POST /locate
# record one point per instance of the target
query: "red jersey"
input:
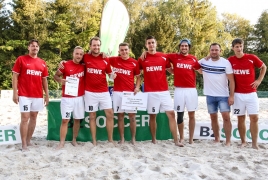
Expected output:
(125, 71)
(244, 72)
(31, 71)
(154, 70)
(96, 70)
(184, 69)
(74, 70)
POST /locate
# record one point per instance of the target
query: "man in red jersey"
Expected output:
(28, 82)
(126, 69)
(72, 103)
(155, 84)
(245, 96)
(185, 94)
(96, 88)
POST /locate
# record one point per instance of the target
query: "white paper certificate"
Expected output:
(71, 86)
(134, 102)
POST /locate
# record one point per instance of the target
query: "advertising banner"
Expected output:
(204, 131)
(142, 132)
(10, 134)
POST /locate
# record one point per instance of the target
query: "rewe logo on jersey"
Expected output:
(154, 68)
(122, 71)
(94, 71)
(241, 71)
(81, 74)
(184, 66)
(34, 72)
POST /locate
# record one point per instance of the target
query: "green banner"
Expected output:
(142, 132)
(114, 26)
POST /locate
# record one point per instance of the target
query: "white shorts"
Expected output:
(28, 104)
(117, 103)
(185, 97)
(72, 105)
(159, 101)
(245, 102)
(93, 101)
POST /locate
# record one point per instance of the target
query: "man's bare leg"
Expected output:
(254, 129)
(76, 128)
(63, 132)
(153, 126)
(173, 127)
(181, 132)
(215, 126)
(24, 129)
(93, 127)
(109, 123)
(132, 120)
(242, 129)
(31, 127)
(121, 127)
(191, 126)
(227, 125)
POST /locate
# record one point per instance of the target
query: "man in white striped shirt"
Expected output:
(216, 73)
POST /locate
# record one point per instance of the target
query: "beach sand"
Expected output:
(201, 160)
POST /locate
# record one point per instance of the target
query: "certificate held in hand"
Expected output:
(71, 86)
(134, 102)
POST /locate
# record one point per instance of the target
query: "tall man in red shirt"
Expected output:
(126, 70)
(72, 103)
(28, 82)
(245, 96)
(155, 84)
(185, 95)
(96, 88)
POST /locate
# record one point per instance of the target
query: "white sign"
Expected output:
(134, 102)
(10, 134)
(204, 131)
(71, 86)
(6, 94)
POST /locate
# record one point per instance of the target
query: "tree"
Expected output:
(261, 33)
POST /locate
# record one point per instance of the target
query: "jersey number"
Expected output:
(90, 108)
(68, 114)
(25, 107)
(178, 108)
(153, 109)
(236, 111)
(117, 108)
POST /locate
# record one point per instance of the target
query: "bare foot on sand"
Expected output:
(154, 141)
(179, 144)
(242, 145)
(60, 146)
(94, 143)
(74, 143)
(133, 142)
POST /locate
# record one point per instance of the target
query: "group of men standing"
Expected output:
(91, 69)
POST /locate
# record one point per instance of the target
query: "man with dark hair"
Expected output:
(28, 82)
(96, 88)
(245, 96)
(185, 94)
(154, 68)
(216, 73)
(72, 104)
(126, 70)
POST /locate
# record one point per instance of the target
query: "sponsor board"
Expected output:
(204, 131)
(10, 134)
(6, 94)
(142, 131)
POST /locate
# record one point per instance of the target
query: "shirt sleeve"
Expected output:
(257, 62)
(108, 69)
(229, 69)
(17, 66)
(137, 69)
